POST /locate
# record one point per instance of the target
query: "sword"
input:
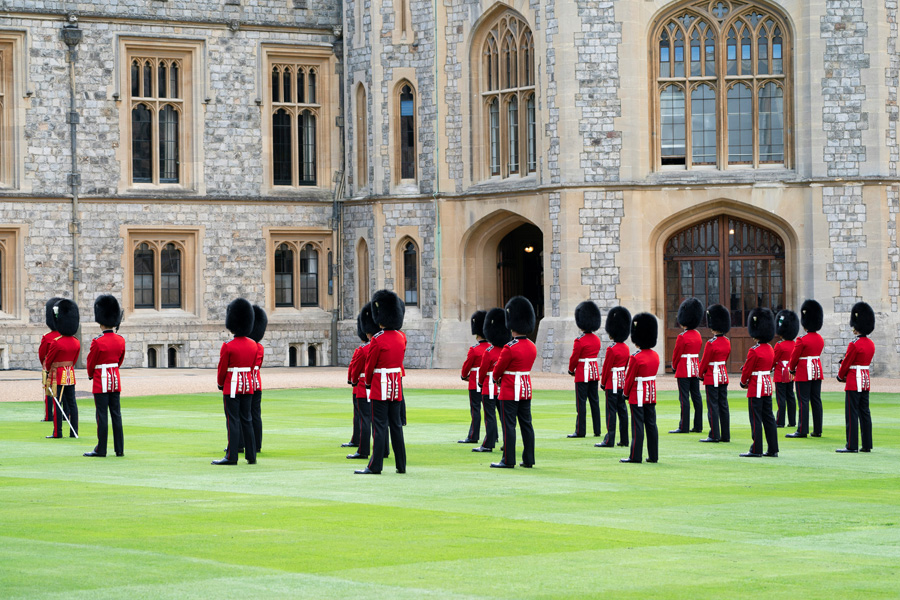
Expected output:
(59, 406)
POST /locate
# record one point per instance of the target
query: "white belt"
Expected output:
(384, 379)
(234, 377)
(810, 366)
(615, 378)
(477, 383)
(715, 367)
(859, 379)
(362, 378)
(587, 366)
(640, 381)
(759, 382)
(103, 369)
(490, 378)
(518, 381)
(691, 364)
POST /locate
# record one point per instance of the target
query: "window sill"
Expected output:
(301, 192)
(512, 183)
(148, 315)
(734, 174)
(162, 188)
(406, 187)
(286, 314)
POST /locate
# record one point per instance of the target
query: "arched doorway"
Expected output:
(724, 260)
(520, 267)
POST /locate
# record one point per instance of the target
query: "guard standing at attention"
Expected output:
(470, 373)
(756, 378)
(612, 376)
(60, 366)
(583, 365)
(640, 389)
(806, 367)
(787, 326)
(498, 336)
(235, 378)
(356, 366)
(384, 380)
(260, 323)
(686, 364)
(356, 376)
(513, 374)
(42, 354)
(855, 372)
(104, 359)
(714, 371)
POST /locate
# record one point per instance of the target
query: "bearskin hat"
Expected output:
(618, 324)
(761, 325)
(67, 317)
(388, 310)
(49, 317)
(862, 318)
(477, 322)
(811, 316)
(644, 330)
(367, 322)
(359, 330)
(239, 318)
(718, 318)
(260, 322)
(520, 315)
(787, 324)
(495, 330)
(587, 316)
(690, 313)
(107, 311)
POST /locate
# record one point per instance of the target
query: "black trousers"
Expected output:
(615, 405)
(643, 419)
(256, 418)
(762, 420)
(809, 394)
(587, 392)
(490, 421)
(103, 403)
(240, 427)
(48, 407)
(858, 419)
(784, 396)
(364, 411)
(517, 410)
(689, 392)
(354, 437)
(475, 414)
(66, 397)
(386, 416)
(718, 413)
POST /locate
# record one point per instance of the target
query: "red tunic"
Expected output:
(783, 351)
(356, 375)
(615, 359)
(713, 364)
(756, 374)
(859, 354)
(257, 379)
(640, 377)
(583, 362)
(104, 359)
(686, 357)
(384, 365)
(60, 360)
(486, 372)
(45, 345)
(236, 362)
(513, 369)
(811, 346)
(472, 365)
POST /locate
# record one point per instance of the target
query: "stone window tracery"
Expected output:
(295, 110)
(296, 259)
(410, 272)
(5, 141)
(407, 132)
(158, 272)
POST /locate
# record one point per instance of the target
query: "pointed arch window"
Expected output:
(297, 257)
(294, 116)
(410, 273)
(157, 108)
(5, 114)
(309, 276)
(284, 276)
(407, 132)
(723, 68)
(362, 139)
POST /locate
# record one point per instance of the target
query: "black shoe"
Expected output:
(401, 471)
(574, 435)
(710, 440)
(791, 424)
(795, 435)
(654, 461)
(357, 455)
(241, 451)
(482, 449)
(94, 453)
(728, 441)
(625, 444)
(120, 454)
(348, 445)
(771, 454)
(628, 460)
(839, 451)
(224, 461)
(697, 430)
(750, 454)
(602, 445)
(678, 431)
(467, 441)
(366, 471)
(865, 449)
(525, 465)
(816, 434)
(251, 462)
(53, 437)
(502, 465)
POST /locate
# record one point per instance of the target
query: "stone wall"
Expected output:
(601, 219)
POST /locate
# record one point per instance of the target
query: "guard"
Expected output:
(498, 336)
(714, 371)
(42, 354)
(855, 372)
(806, 367)
(356, 376)
(469, 373)
(640, 389)
(686, 364)
(756, 378)
(60, 366)
(235, 378)
(787, 326)
(104, 359)
(612, 376)
(260, 323)
(584, 367)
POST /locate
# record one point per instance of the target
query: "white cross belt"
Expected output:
(587, 366)
(715, 367)
(384, 379)
(640, 381)
(103, 374)
(477, 383)
(235, 376)
(490, 378)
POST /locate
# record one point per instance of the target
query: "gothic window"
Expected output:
(6, 63)
(362, 139)
(170, 276)
(407, 132)
(508, 98)
(143, 277)
(157, 105)
(410, 274)
(158, 274)
(723, 86)
(284, 276)
(295, 261)
(11, 293)
(362, 270)
(294, 110)
(309, 276)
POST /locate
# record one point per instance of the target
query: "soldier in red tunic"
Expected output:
(235, 378)
(59, 363)
(498, 336)
(787, 325)
(640, 389)
(356, 376)
(513, 374)
(384, 380)
(806, 367)
(260, 323)
(686, 364)
(612, 376)
(583, 366)
(714, 371)
(42, 354)
(756, 378)
(104, 359)
(470, 370)
(855, 372)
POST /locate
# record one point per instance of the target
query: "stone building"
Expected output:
(459, 152)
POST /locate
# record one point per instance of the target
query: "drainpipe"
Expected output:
(336, 217)
(71, 35)
(437, 188)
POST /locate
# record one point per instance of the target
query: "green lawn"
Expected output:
(703, 523)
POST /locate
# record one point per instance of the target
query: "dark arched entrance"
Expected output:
(724, 260)
(520, 267)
